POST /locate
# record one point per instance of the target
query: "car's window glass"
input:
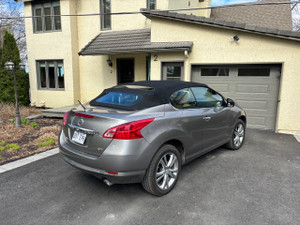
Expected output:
(183, 99)
(207, 98)
(117, 98)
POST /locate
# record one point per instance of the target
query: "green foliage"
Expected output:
(46, 142)
(23, 120)
(10, 52)
(34, 125)
(10, 146)
(2, 142)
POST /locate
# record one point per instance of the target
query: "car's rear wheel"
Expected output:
(163, 171)
(238, 136)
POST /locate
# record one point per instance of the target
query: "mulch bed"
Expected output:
(28, 137)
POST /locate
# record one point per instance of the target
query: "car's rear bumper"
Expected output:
(127, 161)
(120, 178)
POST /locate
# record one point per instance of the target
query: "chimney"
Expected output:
(204, 12)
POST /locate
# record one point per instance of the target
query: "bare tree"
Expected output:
(16, 26)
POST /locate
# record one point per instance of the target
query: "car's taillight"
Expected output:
(66, 118)
(127, 131)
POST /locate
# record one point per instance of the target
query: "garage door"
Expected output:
(254, 87)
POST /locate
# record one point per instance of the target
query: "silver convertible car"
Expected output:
(143, 132)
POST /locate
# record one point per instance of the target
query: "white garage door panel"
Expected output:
(258, 95)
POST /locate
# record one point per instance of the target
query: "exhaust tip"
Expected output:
(107, 182)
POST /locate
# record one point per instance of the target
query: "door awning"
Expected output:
(130, 42)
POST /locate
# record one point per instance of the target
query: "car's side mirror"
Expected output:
(230, 102)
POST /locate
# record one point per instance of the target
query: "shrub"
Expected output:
(2, 142)
(10, 52)
(34, 125)
(46, 142)
(2, 148)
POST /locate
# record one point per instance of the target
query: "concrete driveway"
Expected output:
(259, 184)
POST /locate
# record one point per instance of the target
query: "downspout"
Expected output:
(187, 66)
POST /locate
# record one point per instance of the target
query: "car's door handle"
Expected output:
(207, 118)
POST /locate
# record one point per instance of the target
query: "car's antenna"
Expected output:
(82, 105)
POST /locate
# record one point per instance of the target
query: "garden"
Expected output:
(37, 134)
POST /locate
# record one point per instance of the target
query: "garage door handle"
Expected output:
(207, 118)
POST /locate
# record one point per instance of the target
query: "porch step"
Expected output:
(57, 112)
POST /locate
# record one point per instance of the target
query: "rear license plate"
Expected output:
(79, 137)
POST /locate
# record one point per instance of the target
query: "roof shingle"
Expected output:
(130, 41)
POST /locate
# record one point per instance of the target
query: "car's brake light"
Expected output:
(66, 118)
(84, 115)
(127, 131)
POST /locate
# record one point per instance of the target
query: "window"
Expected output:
(151, 4)
(260, 72)
(46, 16)
(51, 74)
(117, 98)
(105, 7)
(172, 71)
(209, 72)
(183, 99)
(207, 98)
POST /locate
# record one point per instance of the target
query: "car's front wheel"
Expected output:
(238, 136)
(163, 171)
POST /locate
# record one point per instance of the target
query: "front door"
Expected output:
(125, 70)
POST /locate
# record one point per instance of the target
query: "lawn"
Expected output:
(37, 135)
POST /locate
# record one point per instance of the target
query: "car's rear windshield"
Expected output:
(117, 98)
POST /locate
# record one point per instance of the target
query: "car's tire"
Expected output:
(238, 136)
(159, 180)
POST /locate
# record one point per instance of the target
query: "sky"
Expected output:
(229, 2)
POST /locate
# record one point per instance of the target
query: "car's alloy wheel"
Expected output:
(238, 136)
(163, 171)
(167, 171)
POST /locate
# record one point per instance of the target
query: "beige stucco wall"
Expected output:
(53, 46)
(214, 46)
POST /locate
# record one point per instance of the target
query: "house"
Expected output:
(255, 62)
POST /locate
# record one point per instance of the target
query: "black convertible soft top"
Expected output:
(157, 93)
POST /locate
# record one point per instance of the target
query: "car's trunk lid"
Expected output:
(84, 130)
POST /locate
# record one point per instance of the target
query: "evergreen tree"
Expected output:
(10, 52)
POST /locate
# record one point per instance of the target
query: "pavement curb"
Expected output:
(25, 161)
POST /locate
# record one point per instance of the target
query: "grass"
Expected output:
(34, 125)
(46, 142)
(2, 142)
(24, 121)
(10, 146)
